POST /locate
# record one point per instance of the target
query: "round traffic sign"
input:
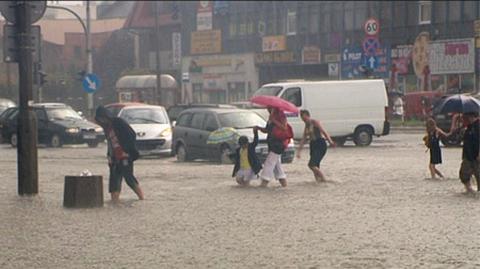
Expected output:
(371, 45)
(37, 9)
(371, 27)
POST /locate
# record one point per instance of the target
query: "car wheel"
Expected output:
(340, 141)
(55, 141)
(225, 155)
(14, 140)
(182, 153)
(363, 137)
(92, 144)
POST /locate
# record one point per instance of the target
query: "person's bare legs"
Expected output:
(439, 173)
(115, 197)
(139, 192)
(433, 171)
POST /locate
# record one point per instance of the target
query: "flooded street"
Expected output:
(381, 213)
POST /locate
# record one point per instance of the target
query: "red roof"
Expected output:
(142, 16)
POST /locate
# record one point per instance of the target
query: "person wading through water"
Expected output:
(121, 153)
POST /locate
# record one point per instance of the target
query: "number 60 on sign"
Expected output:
(371, 27)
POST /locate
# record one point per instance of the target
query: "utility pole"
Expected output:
(89, 60)
(158, 91)
(27, 130)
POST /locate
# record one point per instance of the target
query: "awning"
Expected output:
(146, 81)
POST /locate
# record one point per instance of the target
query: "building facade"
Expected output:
(222, 51)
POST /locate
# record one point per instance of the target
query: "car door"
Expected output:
(197, 137)
(42, 122)
(211, 124)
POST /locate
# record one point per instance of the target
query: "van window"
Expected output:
(197, 120)
(270, 90)
(293, 95)
(211, 123)
(184, 120)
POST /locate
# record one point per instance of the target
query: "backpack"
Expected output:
(426, 141)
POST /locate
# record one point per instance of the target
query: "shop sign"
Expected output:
(275, 57)
(206, 42)
(213, 81)
(311, 55)
(204, 15)
(333, 69)
(476, 28)
(274, 43)
(401, 57)
(332, 58)
(206, 62)
(351, 61)
(176, 49)
(453, 56)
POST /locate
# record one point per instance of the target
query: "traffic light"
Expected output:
(42, 77)
(81, 75)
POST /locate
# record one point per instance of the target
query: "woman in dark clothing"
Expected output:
(318, 147)
(433, 142)
(121, 153)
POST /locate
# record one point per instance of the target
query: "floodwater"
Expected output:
(380, 213)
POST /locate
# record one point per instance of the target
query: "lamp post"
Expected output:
(88, 46)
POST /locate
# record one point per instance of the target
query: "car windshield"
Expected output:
(144, 116)
(62, 113)
(269, 90)
(173, 112)
(241, 120)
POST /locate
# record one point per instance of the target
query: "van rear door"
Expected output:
(294, 95)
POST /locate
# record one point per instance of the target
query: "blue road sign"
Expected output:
(350, 61)
(371, 61)
(91, 83)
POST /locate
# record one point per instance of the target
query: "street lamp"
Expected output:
(88, 45)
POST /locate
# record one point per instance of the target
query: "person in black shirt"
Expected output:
(470, 152)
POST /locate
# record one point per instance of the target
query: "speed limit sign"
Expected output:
(371, 27)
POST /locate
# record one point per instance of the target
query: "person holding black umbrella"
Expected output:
(470, 151)
(469, 107)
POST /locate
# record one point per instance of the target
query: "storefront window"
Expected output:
(400, 11)
(314, 21)
(236, 92)
(469, 10)
(337, 19)
(197, 89)
(467, 83)
(440, 9)
(217, 97)
(349, 15)
(454, 10)
(360, 14)
(386, 14)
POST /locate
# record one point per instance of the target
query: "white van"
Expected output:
(355, 109)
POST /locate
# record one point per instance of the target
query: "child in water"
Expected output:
(433, 144)
(247, 165)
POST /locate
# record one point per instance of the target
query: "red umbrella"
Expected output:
(273, 101)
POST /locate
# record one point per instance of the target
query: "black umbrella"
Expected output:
(458, 104)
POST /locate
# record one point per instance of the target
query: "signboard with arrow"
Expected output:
(90, 83)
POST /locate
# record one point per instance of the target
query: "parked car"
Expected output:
(150, 123)
(262, 112)
(6, 103)
(175, 110)
(354, 109)
(195, 125)
(418, 105)
(3, 120)
(58, 124)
